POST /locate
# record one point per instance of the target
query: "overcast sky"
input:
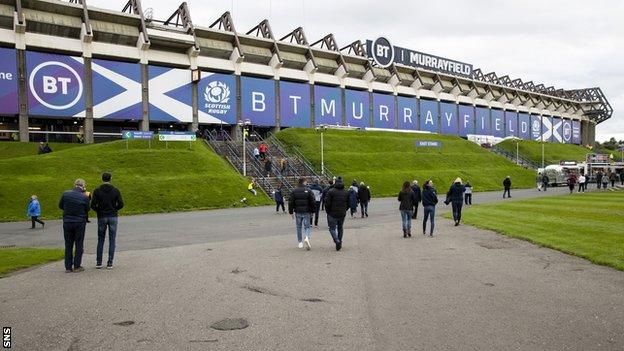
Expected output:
(568, 44)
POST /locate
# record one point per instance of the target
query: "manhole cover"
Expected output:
(230, 324)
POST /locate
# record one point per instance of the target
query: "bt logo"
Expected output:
(51, 84)
(382, 52)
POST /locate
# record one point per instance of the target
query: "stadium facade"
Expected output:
(67, 68)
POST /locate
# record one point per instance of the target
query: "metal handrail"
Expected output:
(513, 157)
(302, 159)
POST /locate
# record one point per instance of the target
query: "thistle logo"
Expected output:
(217, 96)
(55, 85)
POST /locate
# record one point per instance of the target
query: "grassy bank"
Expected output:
(553, 152)
(588, 225)
(11, 149)
(385, 159)
(12, 259)
(159, 179)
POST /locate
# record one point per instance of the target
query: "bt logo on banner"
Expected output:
(50, 82)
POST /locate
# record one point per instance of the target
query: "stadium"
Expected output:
(71, 71)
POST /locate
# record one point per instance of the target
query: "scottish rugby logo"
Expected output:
(536, 126)
(217, 93)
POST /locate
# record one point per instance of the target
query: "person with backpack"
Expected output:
(34, 211)
(106, 202)
(406, 199)
(507, 186)
(279, 198)
(429, 201)
(417, 198)
(364, 197)
(317, 191)
(468, 194)
(301, 207)
(455, 197)
(336, 205)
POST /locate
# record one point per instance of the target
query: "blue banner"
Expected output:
(576, 132)
(357, 106)
(136, 134)
(170, 94)
(524, 126)
(8, 82)
(407, 114)
(566, 131)
(557, 130)
(429, 115)
(483, 121)
(117, 90)
(536, 128)
(448, 118)
(498, 123)
(55, 85)
(258, 101)
(216, 96)
(327, 105)
(384, 114)
(511, 123)
(547, 130)
(294, 104)
(466, 120)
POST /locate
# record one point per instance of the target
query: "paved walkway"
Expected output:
(464, 289)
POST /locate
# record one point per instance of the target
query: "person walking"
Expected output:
(539, 181)
(256, 153)
(268, 166)
(301, 203)
(75, 207)
(353, 198)
(468, 194)
(34, 211)
(612, 179)
(364, 197)
(581, 183)
(417, 197)
(279, 198)
(429, 201)
(406, 199)
(317, 191)
(622, 177)
(605, 181)
(106, 202)
(599, 179)
(545, 182)
(571, 182)
(507, 186)
(336, 205)
(455, 197)
(263, 150)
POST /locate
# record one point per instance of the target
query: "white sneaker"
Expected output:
(307, 242)
(301, 245)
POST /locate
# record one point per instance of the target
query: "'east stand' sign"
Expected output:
(384, 54)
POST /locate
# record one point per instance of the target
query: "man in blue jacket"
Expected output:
(75, 206)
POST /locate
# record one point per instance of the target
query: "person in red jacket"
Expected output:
(263, 150)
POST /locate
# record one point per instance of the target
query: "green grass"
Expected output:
(12, 149)
(385, 159)
(553, 152)
(151, 180)
(588, 225)
(12, 259)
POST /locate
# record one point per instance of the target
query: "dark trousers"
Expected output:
(545, 186)
(508, 192)
(580, 187)
(468, 199)
(612, 183)
(36, 219)
(278, 204)
(335, 227)
(74, 236)
(317, 208)
(429, 212)
(415, 214)
(599, 182)
(109, 223)
(364, 208)
(457, 208)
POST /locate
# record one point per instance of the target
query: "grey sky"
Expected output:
(568, 44)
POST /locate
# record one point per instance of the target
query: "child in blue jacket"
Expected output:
(34, 211)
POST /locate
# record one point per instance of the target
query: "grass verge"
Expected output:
(13, 259)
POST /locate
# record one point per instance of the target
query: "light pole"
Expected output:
(322, 129)
(517, 151)
(542, 154)
(243, 125)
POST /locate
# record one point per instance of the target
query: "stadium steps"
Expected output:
(520, 161)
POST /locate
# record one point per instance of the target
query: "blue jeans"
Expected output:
(111, 224)
(74, 235)
(406, 219)
(429, 213)
(302, 220)
(336, 227)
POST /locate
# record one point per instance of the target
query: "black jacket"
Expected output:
(364, 194)
(337, 201)
(507, 183)
(429, 196)
(407, 200)
(75, 206)
(417, 193)
(455, 193)
(301, 201)
(106, 201)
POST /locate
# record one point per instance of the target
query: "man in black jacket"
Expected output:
(302, 203)
(75, 206)
(106, 202)
(429, 201)
(507, 186)
(364, 197)
(336, 205)
(455, 196)
(417, 197)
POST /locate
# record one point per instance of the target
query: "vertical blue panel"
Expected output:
(383, 111)
(547, 131)
(407, 114)
(357, 108)
(576, 132)
(448, 118)
(8, 82)
(557, 128)
(536, 128)
(511, 123)
(566, 131)
(117, 90)
(524, 126)
(216, 98)
(327, 105)
(498, 123)
(483, 121)
(466, 120)
(294, 104)
(429, 115)
(258, 101)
